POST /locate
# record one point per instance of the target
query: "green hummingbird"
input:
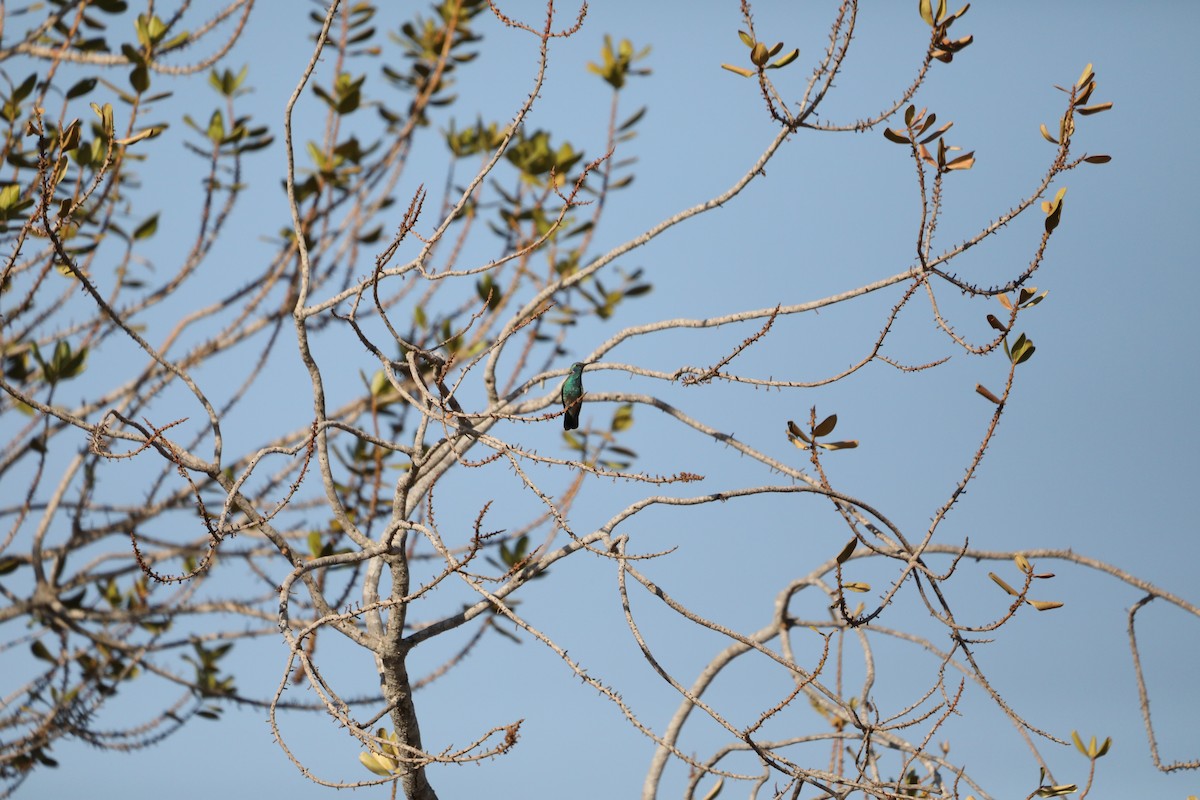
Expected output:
(572, 397)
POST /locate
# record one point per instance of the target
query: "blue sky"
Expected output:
(1095, 454)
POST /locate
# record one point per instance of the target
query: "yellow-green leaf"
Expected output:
(1023, 350)
(1002, 584)
(147, 133)
(9, 196)
(745, 73)
(147, 228)
(1036, 300)
(622, 418)
(375, 763)
(927, 12)
(786, 59)
(1085, 76)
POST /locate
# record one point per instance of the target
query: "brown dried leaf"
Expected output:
(983, 390)
(847, 551)
(826, 426)
(1045, 605)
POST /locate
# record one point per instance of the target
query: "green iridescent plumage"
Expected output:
(572, 397)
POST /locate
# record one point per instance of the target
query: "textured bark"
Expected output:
(397, 688)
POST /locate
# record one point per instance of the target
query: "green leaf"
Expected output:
(81, 88)
(216, 127)
(105, 113)
(139, 79)
(177, 40)
(629, 123)
(147, 228)
(488, 291)
(25, 88)
(149, 29)
(1021, 351)
(39, 650)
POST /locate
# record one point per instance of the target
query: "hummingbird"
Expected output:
(572, 397)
